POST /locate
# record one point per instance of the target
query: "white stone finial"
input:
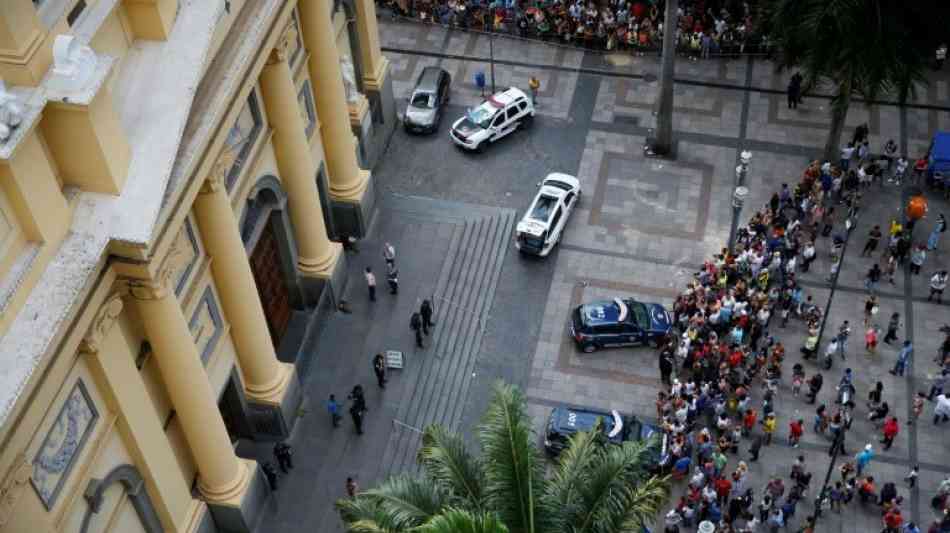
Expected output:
(73, 63)
(11, 112)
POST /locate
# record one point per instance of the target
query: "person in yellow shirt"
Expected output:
(768, 426)
(535, 85)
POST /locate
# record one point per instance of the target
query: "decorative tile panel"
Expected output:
(241, 138)
(307, 110)
(206, 325)
(185, 261)
(63, 444)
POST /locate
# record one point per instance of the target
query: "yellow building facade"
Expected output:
(176, 177)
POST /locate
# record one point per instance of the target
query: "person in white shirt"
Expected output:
(900, 170)
(938, 282)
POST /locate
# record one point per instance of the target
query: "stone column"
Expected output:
(267, 381)
(318, 255)
(222, 478)
(347, 180)
(374, 63)
(115, 368)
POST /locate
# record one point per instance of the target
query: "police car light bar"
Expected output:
(618, 425)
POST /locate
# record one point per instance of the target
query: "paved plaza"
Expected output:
(642, 229)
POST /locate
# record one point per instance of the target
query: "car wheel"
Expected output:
(528, 120)
(589, 348)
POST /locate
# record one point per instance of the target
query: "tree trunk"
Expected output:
(839, 112)
(664, 117)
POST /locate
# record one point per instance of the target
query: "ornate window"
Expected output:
(244, 132)
(63, 444)
(307, 111)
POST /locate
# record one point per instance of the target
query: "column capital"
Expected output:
(159, 286)
(219, 171)
(104, 320)
(281, 51)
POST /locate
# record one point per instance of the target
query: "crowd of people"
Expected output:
(706, 27)
(722, 351)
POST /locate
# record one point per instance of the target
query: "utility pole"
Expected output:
(739, 195)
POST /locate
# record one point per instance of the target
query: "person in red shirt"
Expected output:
(891, 428)
(795, 430)
(748, 422)
(920, 166)
(893, 521)
(723, 487)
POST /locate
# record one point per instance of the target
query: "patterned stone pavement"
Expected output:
(643, 227)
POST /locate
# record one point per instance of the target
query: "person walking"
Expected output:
(351, 487)
(284, 455)
(911, 477)
(425, 310)
(768, 427)
(874, 237)
(795, 431)
(870, 309)
(938, 282)
(370, 283)
(794, 91)
(917, 408)
(902, 358)
(666, 367)
(392, 278)
(334, 409)
(892, 325)
(808, 255)
(389, 255)
(357, 415)
(755, 447)
(863, 458)
(917, 258)
(379, 368)
(890, 430)
(939, 228)
(270, 473)
(941, 409)
(872, 278)
(415, 324)
(534, 84)
(939, 382)
(870, 340)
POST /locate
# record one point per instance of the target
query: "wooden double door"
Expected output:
(265, 263)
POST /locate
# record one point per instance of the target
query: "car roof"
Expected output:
(584, 420)
(506, 97)
(605, 311)
(429, 79)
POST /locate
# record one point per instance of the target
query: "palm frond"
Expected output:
(513, 465)
(608, 492)
(462, 521)
(406, 501)
(574, 467)
(450, 466)
(363, 515)
(643, 502)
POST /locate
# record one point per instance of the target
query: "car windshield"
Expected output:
(640, 315)
(558, 184)
(480, 116)
(423, 100)
(543, 208)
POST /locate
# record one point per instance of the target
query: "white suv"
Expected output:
(496, 117)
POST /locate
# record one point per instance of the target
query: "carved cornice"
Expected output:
(102, 323)
(160, 285)
(13, 486)
(281, 51)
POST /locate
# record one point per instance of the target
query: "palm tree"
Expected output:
(596, 486)
(861, 48)
(662, 144)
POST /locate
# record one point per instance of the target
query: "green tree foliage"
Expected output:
(864, 48)
(595, 487)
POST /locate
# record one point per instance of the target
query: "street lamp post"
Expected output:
(739, 194)
(491, 57)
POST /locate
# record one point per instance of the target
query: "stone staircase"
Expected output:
(462, 300)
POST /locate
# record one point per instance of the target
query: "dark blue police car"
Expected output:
(565, 421)
(618, 322)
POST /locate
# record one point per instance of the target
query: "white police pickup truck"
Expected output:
(543, 223)
(499, 115)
